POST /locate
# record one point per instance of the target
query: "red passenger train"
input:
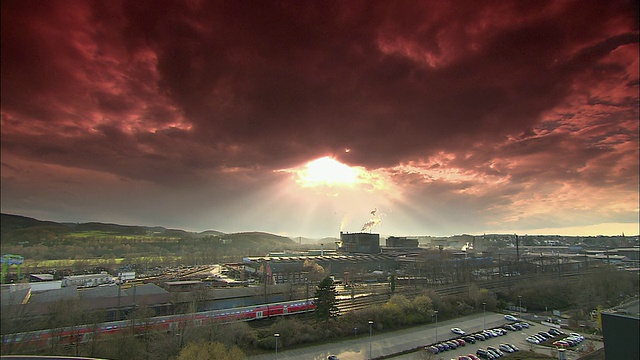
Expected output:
(84, 333)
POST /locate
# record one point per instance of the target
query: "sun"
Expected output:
(326, 171)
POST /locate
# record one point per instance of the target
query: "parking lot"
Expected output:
(516, 338)
(389, 343)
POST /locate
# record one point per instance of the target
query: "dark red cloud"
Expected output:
(179, 92)
(306, 78)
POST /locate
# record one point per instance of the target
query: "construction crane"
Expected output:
(7, 261)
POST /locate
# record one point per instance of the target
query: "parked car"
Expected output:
(493, 353)
(479, 337)
(540, 338)
(578, 336)
(457, 331)
(515, 348)
(532, 340)
(510, 318)
(505, 348)
(470, 339)
(432, 349)
(545, 335)
(496, 350)
(500, 331)
(473, 357)
(510, 327)
(489, 333)
(463, 357)
(452, 345)
(576, 340)
(483, 354)
(561, 343)
(554, 331)
(524, 324)
(332, 357)
(517, 326)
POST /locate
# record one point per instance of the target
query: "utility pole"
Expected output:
(118, 308)
(306, 299)
(265, 285)
(518, 255)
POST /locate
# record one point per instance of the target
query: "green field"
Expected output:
(69, 263)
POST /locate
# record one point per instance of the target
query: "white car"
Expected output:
(578, 336)
(533, 340)
(510, 318)
(457, 331)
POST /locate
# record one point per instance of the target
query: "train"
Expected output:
(67, 336)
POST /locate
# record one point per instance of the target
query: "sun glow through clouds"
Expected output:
(327, 171)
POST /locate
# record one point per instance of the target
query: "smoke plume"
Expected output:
(373, 221)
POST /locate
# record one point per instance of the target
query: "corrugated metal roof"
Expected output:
(65, 293)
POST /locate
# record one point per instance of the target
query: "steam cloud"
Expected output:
(373, 221)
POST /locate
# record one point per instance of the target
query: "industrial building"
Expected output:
(363, 243)
(401, 242)
(295, 269)
(88, 280)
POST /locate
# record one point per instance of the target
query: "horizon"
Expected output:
(329, 236)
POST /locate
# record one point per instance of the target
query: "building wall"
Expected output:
(87, 280)
(621, 334)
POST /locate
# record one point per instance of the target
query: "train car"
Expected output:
(167, 323)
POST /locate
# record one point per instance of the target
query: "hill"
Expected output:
(19, 233)
(16, 228)
(249, 240)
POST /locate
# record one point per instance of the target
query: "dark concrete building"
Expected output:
(363, 243)
(621, 331)
(401, 242)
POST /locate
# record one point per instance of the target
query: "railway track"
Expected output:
(380, 293)
(358, 303)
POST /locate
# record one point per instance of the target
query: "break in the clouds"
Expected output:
(446, 117)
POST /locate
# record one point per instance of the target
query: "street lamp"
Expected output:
(276, 335)
(484, 315)
(370, 332)
(435, 312)
(520, 308)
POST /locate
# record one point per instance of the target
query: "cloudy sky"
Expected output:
(304, 118)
